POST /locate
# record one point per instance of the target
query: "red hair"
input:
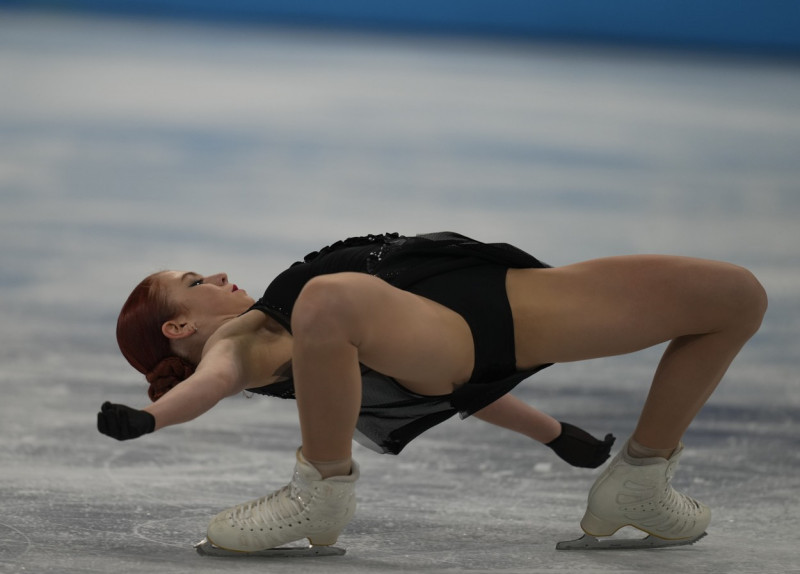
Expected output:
(143, 344)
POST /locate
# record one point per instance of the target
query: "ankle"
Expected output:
(638, 450)
(329, 468)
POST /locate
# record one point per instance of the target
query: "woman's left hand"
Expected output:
(579, 448)
(123, 423)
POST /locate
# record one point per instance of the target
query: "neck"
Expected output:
(190, 349)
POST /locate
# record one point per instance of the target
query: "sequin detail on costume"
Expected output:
(376, 255)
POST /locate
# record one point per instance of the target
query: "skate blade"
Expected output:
(206, 548)
(588, 542)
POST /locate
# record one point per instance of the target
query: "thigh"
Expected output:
(615, 305)
(427, 347)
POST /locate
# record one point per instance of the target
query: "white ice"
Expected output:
(132, 146)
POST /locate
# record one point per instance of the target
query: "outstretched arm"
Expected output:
(217, 376)
(570, 443)
(511, 413)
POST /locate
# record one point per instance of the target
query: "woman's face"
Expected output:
(205, 296)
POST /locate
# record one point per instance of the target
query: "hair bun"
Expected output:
(167, 373)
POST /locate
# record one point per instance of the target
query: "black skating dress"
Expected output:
(460, 273)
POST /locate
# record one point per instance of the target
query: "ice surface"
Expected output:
(131, 146)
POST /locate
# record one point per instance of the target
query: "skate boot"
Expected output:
(637, 492)
(308, 507)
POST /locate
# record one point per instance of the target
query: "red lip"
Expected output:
(235, 288)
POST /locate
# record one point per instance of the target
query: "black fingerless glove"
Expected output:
(579, 448)
(123, 423)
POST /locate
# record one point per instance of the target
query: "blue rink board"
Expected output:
(750, 25)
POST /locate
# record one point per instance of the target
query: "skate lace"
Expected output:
(281, 506)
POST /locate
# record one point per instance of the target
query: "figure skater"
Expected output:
(382, 337)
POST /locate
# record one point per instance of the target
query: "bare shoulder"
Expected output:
(239, 329)
(254, 347)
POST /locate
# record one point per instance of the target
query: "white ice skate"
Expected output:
(308, 507)
(637, 492)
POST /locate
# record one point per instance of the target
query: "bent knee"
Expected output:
(750, 298)
(325, 307)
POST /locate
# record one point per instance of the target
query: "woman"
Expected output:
(433, 325)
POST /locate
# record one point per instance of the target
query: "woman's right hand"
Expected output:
(124, 423)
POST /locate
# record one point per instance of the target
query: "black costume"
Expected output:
(460, 273)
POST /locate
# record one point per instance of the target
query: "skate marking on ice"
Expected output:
(589, 542)
(206, 548)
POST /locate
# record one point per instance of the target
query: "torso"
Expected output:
(392, 415)
(463, 275)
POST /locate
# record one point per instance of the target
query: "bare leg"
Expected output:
(327, 381)
(689, 371)
(708, 310)
(343, 319)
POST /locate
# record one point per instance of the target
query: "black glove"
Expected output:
(123, 423)
(579, 448)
